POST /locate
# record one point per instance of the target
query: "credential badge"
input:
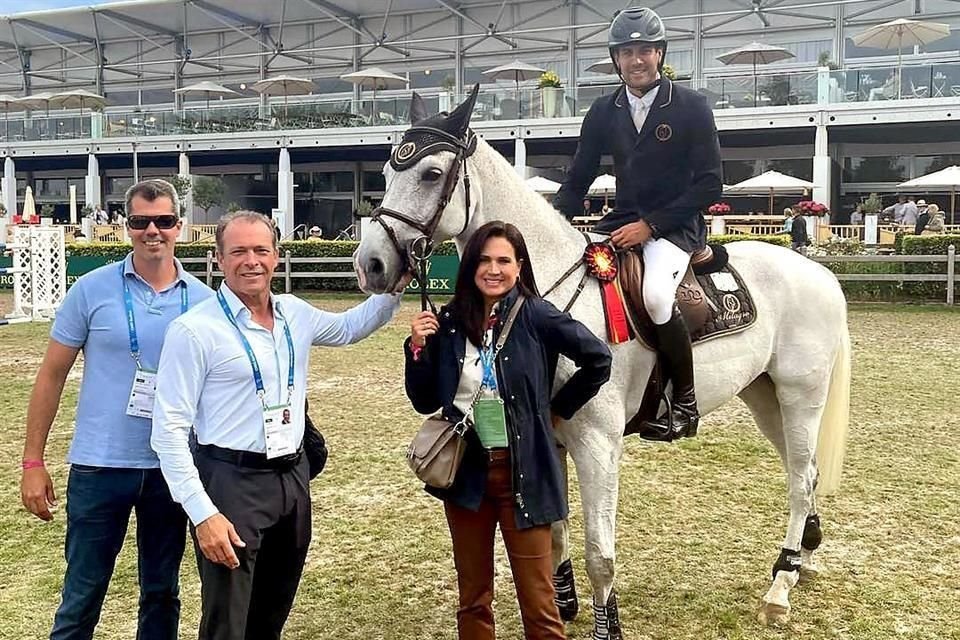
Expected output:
(664, 132)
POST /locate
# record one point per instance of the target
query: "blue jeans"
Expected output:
(99, 502)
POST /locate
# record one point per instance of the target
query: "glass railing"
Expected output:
(493, 104)
(885, 83)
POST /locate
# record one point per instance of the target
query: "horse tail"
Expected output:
(832, 442)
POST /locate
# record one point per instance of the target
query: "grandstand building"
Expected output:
(829, 114)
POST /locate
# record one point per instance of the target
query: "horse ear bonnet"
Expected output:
(441, 132)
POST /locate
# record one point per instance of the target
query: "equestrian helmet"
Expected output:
(637, 24)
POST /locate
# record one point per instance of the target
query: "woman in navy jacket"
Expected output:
(510, 474)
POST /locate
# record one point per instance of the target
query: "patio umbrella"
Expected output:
(29, 206)
(602, 66)
(603, 184)
(7, 102)
(947, 179)
(543, 185)
(755, 53)
(285, 86)
(206, 89)
(898, 33)
(515, 71)
(37, 101)
(771, 182)
(77, 99)
(375, 78)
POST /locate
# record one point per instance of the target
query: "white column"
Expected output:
(187, 204)
(284, 195)
(822, 168)
(9, 189)
(91, 195)
(520, 157)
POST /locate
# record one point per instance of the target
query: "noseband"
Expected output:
(417, 143)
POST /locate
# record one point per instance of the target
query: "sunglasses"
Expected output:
(165, 221)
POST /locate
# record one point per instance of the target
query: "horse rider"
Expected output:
(666, 157)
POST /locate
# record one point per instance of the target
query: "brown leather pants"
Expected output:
(527, 549)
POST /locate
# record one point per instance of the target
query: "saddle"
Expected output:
(712, 298)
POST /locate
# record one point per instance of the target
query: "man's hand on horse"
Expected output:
(424, 324)
(631, 235)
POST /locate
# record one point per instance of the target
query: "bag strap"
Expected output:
(502, 340)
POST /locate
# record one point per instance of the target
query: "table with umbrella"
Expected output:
(517, 71)
(770, 183)
(753, 54)
(899, 33)
(945, 179)
(375, 78)
(207, 90)
(286, 86)
(77, 99)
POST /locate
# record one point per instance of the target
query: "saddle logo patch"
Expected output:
(664, 132)
(732, 309)
(405, 151)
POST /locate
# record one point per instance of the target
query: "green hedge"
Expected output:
(928, 245)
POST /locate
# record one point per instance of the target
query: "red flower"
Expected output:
(719, 209)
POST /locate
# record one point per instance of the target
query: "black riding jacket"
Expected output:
(667, 174)
(525, 371)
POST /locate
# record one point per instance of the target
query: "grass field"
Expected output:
(700, 523)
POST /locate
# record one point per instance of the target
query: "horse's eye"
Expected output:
(431, 175)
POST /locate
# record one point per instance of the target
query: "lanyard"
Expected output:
(132, 323)
(488, 355)
(257, 376)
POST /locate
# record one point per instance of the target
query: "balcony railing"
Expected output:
(821, 87)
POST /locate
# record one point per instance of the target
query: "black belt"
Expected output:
(250, 459)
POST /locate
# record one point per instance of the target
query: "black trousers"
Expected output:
(270, 510)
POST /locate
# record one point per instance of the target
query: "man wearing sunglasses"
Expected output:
(117, 315)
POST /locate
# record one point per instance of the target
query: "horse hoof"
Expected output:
(772, 614)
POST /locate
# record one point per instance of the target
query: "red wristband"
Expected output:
(31, 464)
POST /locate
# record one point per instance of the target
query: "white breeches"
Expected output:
(664, 265)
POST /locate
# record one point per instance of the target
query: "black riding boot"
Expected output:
(676, 349)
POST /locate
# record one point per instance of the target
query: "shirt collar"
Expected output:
(647, 99)
(128, 270)
(237, 307)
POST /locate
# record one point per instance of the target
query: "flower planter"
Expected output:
(552, 101)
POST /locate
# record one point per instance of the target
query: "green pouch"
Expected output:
(490, 422)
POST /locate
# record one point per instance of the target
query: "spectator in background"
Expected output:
(787, 220)
(936, 223)
(316, 233)
(895, 211)
(586, 207)
(909, 213)
(100, 216)
(798, 234)
(856, 218)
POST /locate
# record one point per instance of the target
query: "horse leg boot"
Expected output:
(683, 417)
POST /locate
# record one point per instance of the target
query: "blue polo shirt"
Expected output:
(93, 318)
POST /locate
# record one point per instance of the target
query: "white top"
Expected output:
(205, 379)
(640, 107)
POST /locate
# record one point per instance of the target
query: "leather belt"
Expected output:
(498, 456)
(250, 459)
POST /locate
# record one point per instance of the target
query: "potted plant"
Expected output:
(551, 94)
(719, 209)
(669, 72)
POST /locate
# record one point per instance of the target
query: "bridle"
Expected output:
(418, 142)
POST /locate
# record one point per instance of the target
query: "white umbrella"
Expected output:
(206, 89)
(605, 183)
(77, 99)
(375, 78)
(771, 182)
(755, 53)
(37, 101)
(898, 33)
(515, 71)
(29, 206)
(602, 66)
(284, 85)
(948, 179)
(543, 185)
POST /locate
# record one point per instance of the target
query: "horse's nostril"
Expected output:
(375, 266)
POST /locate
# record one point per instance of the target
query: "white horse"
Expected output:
(791, 367)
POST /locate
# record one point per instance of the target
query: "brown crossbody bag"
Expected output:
(436, 451)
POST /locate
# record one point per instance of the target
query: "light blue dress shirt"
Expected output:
(93, 318)
(206, 381)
